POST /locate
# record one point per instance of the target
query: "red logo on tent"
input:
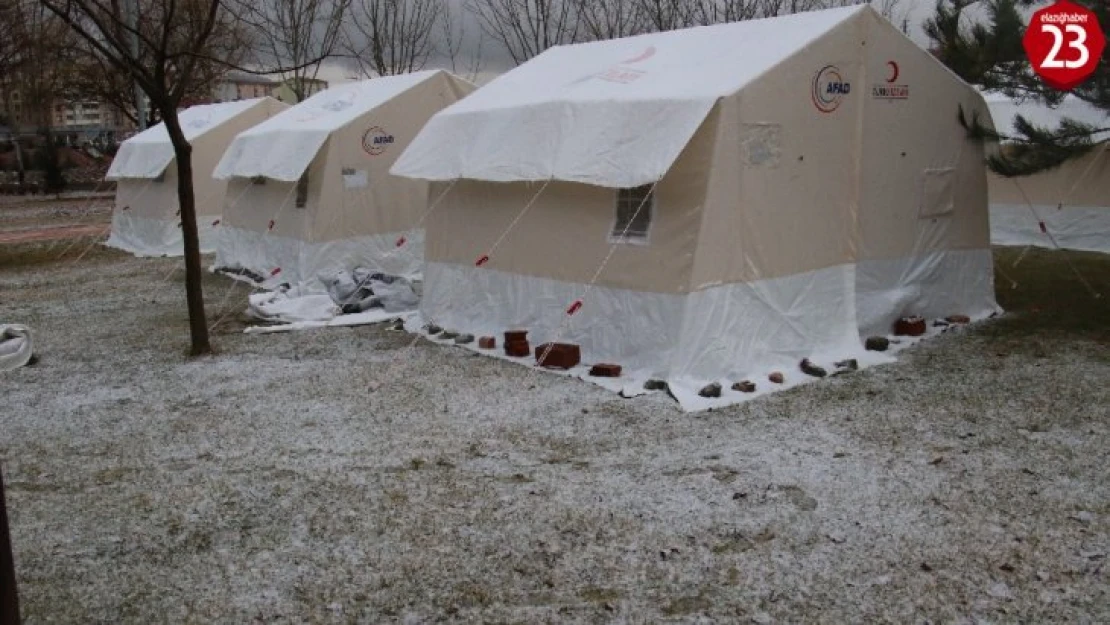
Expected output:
(643, 56)
(888, 90)
(1064, 43)
(829, 89)
(376, 140)
(895, 71)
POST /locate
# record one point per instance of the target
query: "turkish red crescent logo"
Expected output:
(643, 56)
(893, 68)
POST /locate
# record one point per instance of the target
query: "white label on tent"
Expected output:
(761, 144)
(354, 179)
(938, 192)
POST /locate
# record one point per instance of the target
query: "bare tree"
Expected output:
(527, 27)
(895, 11)
(390, 37)
(96, 78)
(160, 46)
(453, 35)
(293, 34)
(39, 63)
(9, 47)
(610, 19)
(660, 15)
(721, 11)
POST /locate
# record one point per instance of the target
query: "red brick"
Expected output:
(958, 319)
(909, 326)
(605, 370)
(776, 377)
(516, 335)
(518, 349)
(487, 342)
(559, 356)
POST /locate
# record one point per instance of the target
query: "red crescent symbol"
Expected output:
(893, 66)
(643, 56)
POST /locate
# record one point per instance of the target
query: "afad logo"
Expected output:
(376, 140)
(829, 89)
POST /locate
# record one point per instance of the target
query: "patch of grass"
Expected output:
(37, 253)
(686, 605)
(1043, 296)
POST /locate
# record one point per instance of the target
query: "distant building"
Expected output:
(72, 121)
(17, 115)
(286, 93)
(237, 86)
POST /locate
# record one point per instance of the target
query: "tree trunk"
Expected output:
(194, 294)
(9, 598)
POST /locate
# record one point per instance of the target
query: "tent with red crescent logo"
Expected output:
(309, 191)
(145, 220)
(710, 205)
(1066, 207)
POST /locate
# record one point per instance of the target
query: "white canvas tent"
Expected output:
(309, 191)
(1071, 201)
(145, 220)
(804, 180)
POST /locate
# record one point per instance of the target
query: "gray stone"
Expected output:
(746, 386)
(710, 390)
(434, 329)
(809, 368)
(877, 343)
(655, 385)
(463, 339)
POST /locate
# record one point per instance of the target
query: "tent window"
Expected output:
(302, 190)
(634, 210)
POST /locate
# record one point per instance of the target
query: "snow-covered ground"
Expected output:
(361, 475)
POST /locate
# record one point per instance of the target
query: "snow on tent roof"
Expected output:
(1005, 110)
(614, 113)
(147, 154)
(283, 146)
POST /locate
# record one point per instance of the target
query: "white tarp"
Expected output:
(611, 113)
(1083, 228)
(147, 154)
(282, 147)
(733, 332)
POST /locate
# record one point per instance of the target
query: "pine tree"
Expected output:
(990, 54)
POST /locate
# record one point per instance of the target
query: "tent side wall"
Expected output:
(923, 231)
(247, 240)
(367, 200)
(782, 189)
(773, 281)
(1082, 186)
(144, 221)
(564, 235)
(358, 210)
(543, 262)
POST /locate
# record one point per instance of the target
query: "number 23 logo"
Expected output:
(1052, 60)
